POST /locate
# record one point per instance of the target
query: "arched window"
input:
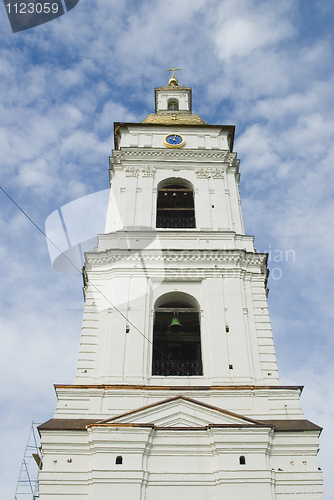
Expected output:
(175, 205)
(242, 460)
(176, 337)
(119, 460)
(173, 105)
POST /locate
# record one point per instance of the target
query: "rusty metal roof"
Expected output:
(73, 424)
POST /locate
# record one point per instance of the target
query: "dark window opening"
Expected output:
(173, 105)
(242, 460)
(119, 460)
(176, 353)
(175, 207)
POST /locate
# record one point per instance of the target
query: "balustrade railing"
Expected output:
(177, 368)
(175, 221)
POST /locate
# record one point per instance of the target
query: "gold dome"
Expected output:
(173, 82)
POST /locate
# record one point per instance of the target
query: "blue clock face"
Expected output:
(174, 141)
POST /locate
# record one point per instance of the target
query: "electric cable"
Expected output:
(80, 271)
(75, 267)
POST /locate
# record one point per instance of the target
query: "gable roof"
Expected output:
(179, 412)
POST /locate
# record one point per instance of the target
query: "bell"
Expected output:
(175, 326)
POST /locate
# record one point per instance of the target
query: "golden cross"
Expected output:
(173, 69)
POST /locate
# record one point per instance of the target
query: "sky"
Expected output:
(264, 66)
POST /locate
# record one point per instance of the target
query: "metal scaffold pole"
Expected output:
(27, 484)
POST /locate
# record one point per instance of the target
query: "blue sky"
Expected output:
(266, 67)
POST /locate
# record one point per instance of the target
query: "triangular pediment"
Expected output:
(181, 411)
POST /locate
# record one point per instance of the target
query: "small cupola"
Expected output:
(173, 97)
(173, 81)
(173, 104)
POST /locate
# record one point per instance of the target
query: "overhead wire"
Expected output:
(75, 267)
(88, 280)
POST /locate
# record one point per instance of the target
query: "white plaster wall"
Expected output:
(199, 137)
(183, 96)
(182, 463)
(109, 401)
(133, 197)
(111, 354)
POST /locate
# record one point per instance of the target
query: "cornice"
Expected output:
(125, 387)
(169, 155)
(239, 258)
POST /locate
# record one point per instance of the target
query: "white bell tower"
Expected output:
(177, 389)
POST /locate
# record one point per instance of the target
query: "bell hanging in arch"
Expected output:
(175, 326)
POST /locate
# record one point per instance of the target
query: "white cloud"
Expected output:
(245, 26)
(111, 113)
(63, 85)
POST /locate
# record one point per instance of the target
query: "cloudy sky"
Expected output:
(265, 66)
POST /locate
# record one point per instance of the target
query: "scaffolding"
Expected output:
(27, 484)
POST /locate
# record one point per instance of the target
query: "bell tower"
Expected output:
(177, 389)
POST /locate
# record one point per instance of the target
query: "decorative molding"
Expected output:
(117, 157)
(207, 173)
(148, 171)
(134, 153)
(135, 171)
(218, 174)
(202, 173)
(132, 171)
(238, 257)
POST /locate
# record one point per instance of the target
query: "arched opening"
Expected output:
(173, 105)
(119, 460)
(175, 204)
(176, 337)
(242, 460)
